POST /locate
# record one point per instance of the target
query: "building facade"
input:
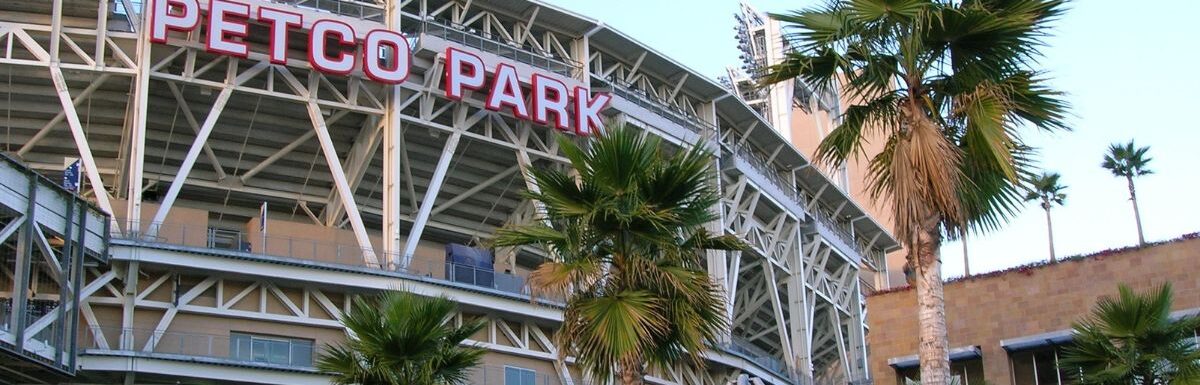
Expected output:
(1008, 327)
(259, 164)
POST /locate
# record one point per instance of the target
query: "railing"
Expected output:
(747, 350)
(840, 229)
(301, 355)
(341, 7)
(326, 251)
(764, 167)
(476, 39)
(499, 375)
(665, 110)
(223, 347)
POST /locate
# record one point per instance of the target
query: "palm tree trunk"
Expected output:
(1137, 216)
(934, 347)
(966, 259)
(1050, 232)
(631, 375)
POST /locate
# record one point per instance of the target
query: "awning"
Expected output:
(956, 354)
(1038, 340)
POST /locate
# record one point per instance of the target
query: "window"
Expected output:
(968, 372)
(1039, 367)
(271, 349)
(519, 376)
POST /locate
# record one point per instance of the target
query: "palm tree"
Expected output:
(1132, 339)
(944, 85)
(627, 238)
(401, 338)
(1045, 188)
(1127, 160)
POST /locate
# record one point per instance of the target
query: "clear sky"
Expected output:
(1128, 70)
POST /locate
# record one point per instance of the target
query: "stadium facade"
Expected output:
(234, 173)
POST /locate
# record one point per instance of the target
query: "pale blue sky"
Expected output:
(1127, 67)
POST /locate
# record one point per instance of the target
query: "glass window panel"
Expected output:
(302, 353)
(913, 373)
(512, 376)
(519, 376)
(280, 352)
(1022, 368)
(968, 372)
(240, 344)
(1047, 369)
(259, 350)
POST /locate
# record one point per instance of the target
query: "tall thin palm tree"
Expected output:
(628, 240)
(401, 338)
(945, 85)
(1046, 189)
(1132, 339)
(1129, 161)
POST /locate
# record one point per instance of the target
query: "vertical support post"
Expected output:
(137, 129)
(102, 33)
(130, 297)
(435, 186)
(55, 29)
(798, 306)
(24, 260)
(68, 289)
(858, 335)
(78, 254)
(392, 136)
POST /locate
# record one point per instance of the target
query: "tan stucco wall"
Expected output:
(983, 311)
(185, 225)
(320, 243)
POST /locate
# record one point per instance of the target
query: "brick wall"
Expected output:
(985, 310)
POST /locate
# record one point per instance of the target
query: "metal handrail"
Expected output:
(660, 108)
(222, 347)
(179, 343)
(322, 251)
(747, 350)
(840, 229)
(354, 9)
(476, 39)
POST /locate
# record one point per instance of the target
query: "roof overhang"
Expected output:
(956, 354)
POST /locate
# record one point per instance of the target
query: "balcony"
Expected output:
(477, 39)
(355, 9)
(218, 349)
(326, 249)
(840, 230)
(747, 350)
(234, 349)
(640, 98)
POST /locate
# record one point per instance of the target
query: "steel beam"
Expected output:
(189, 161)
(81, 140)
(342, 185)
(435, 186)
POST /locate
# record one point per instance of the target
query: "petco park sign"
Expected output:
(227, 23)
